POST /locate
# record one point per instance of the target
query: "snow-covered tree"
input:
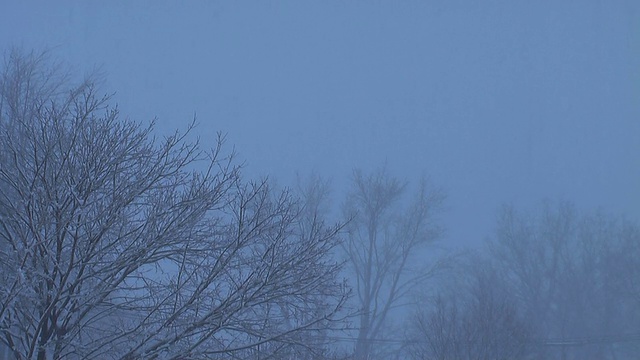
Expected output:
(118, 245)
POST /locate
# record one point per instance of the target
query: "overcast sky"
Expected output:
(497, 101)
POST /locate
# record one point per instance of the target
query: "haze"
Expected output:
(496, 101)
(500, 104)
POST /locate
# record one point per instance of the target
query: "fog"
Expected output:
(495, 102)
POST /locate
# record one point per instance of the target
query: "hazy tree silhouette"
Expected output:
(383, 236)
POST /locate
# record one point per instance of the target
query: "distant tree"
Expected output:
(571, 275)
(116, 245)
(476, 320)
(383, 236)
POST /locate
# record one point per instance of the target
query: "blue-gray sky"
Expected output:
(498, 101)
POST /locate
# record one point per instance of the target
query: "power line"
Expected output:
(551, 342)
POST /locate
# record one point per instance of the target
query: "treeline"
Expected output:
(553, 283)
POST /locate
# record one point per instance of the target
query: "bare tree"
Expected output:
(475, 321)
(382, 237)
(569, 272)
(116, 245)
